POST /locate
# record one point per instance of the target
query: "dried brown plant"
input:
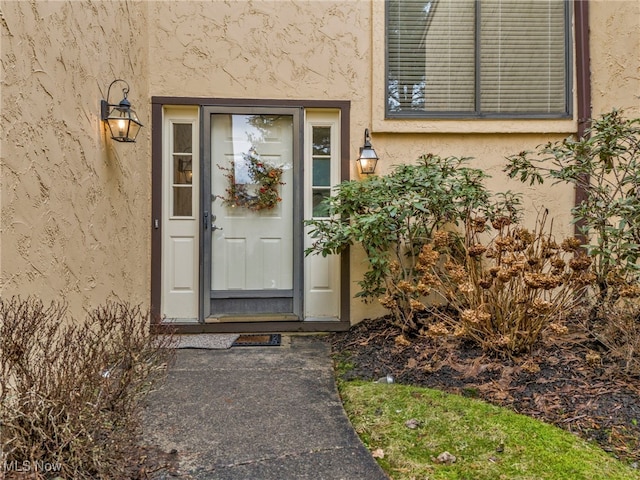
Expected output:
(71, 392)
(506, 293)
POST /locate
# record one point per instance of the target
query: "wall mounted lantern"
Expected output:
(368, 158)
(122, 120)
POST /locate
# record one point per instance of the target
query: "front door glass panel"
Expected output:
(252, 208)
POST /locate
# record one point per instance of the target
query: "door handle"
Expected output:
(213, 225)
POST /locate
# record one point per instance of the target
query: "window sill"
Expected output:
(564, 126)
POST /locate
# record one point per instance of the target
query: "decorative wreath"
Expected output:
(262, 192)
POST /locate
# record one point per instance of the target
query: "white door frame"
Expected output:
(180, 214)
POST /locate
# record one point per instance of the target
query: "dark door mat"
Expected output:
(258, 340)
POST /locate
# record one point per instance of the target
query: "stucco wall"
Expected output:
(615, 52)
(74, 204)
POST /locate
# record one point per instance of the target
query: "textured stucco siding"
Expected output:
(280, 49)
(74, 205)
(615, 56)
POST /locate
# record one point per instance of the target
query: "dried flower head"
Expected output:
(504, 275)
(460, 331)
(429, 279)
(476, 250)
(469, 316)
(540, 280)
(388, 302)
(558, 328)
(475, 316)
(428, 256)
(593, 358)
(437, 330)
(457, 272)
(541, 306)
(405, 287)
(441, 239)
(534, 262)
(571, 244)
(417, 306)
(524, 235)
(503, 243)
(423, 288)
(630, 291)
(479, 224)
(501, 222)
(584, 278)
(580, 262)
(517, 267)
(466, 287)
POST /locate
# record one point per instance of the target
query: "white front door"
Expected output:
(250, 213)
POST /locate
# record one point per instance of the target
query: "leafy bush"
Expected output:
(606, 165)
(426, 231)
(392, 217)
(71, 392)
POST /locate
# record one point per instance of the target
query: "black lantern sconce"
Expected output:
(122, 120)
(368, 157)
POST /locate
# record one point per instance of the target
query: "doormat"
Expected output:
(258, 340)
(207, 341)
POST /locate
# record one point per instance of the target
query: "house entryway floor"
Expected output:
(256, 413)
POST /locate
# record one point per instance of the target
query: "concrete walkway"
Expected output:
(257, 413)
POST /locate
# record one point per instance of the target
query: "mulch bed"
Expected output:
(567, 382)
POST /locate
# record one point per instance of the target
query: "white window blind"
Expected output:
(477, 58)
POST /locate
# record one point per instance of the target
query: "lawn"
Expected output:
(409, 428)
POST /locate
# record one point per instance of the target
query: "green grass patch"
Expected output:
(489, 442)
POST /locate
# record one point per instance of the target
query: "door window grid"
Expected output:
(321, 170)
(182, 170)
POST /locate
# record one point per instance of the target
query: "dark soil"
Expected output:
(566, 382)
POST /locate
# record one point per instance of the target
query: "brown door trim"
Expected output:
(157, 104)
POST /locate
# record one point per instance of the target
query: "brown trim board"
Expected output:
(156, 210)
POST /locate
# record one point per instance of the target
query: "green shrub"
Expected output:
(605, 163)
(446, 256)
(71, 392)
(392, 217)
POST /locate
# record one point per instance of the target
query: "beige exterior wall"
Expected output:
(615, 56)
(75, 205)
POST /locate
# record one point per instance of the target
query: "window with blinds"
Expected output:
(478, 58)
